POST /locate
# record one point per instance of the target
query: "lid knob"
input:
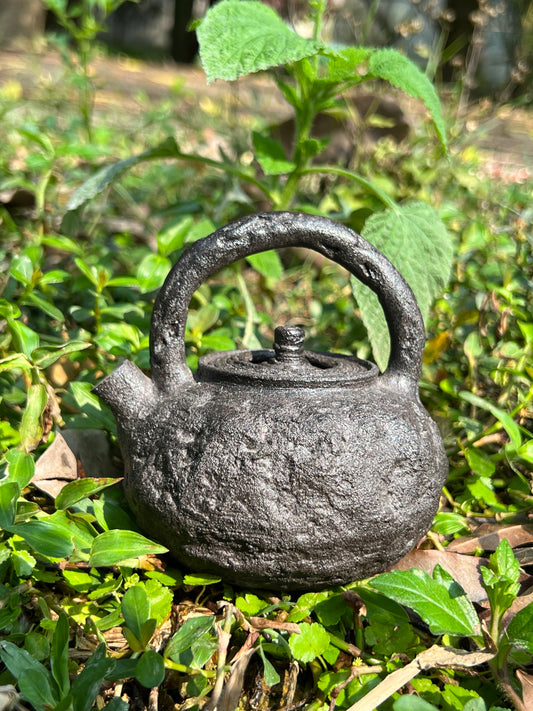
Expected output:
(289, 343)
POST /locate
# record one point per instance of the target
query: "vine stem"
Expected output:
(228, 169)
(385, 199)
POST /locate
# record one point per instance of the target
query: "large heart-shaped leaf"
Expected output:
(238, 37)
(416, 241)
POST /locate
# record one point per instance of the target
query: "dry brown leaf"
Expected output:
(55, 467)
(92, 448)
(518, 604)
(488, 536)
(229, 698)
(463, 568)
(526, 680)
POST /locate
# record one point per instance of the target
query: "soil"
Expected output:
(503, 134)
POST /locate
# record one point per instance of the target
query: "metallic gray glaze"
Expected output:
(280, 469)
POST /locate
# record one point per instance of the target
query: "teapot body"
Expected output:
(284, 469)
(285, 488)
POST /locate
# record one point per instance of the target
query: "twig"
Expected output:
(431, 658)
(153, 699)
(224, 637)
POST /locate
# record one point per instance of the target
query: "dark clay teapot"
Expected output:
(283, 469)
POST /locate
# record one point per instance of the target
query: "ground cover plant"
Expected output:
(93, 613)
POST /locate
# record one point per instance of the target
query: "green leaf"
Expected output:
(267, 263)
(47, 355)
(500, 579)
(270, 675)
(520, 629)
(95, 412)
(17, 361)
(114, 547)
(86, 685)
(31, 427)
(250, 604)
(9, 493)
(80, 489)
(196, 579)
(22, 269)
(445, 610)
(117, 704)
(343, 64)
(59, 655)
(312, 641)
(105, 176)
(78, 529)
(190, 631)
(150, 669)
(160, 598)
(456, 592)
(415, 240)
(135, 609)
(37, 645)
(173, 235)
(305, 605)
(23, 563)
(330, 612)
(17, 660)
(238, 37)
(410, 702)
(147, 632)
(45, 538)
(152, 272)
(21, 467)
(504, 563)
(36, 687)
(45, 306)
(270, 155)
(24, 338)
(400, 71)
(506, 421)
(480, 462)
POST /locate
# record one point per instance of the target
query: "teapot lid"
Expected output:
(288, 365)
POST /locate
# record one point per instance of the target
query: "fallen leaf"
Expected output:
(229, 698)
(526, 680)
(463, 568)
(488, 536)
(524, 555)
(92, 448)
(55, 467)
(518, 604)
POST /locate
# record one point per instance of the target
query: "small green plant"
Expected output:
(82, 21)
(444, 606)
(313, 77)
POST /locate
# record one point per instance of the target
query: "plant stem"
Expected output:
(229, 169)
(249, 305)
(388, 201)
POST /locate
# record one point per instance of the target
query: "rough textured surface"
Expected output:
(274, 485)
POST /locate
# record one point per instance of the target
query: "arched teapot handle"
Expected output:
(264, 231)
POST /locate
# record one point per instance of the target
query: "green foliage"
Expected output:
(238, 37)
(310, 643)
(89, 607)
(440, 601)
(413, 237)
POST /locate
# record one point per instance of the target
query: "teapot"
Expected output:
(281, 469)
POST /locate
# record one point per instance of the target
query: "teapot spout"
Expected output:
(128, 391)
